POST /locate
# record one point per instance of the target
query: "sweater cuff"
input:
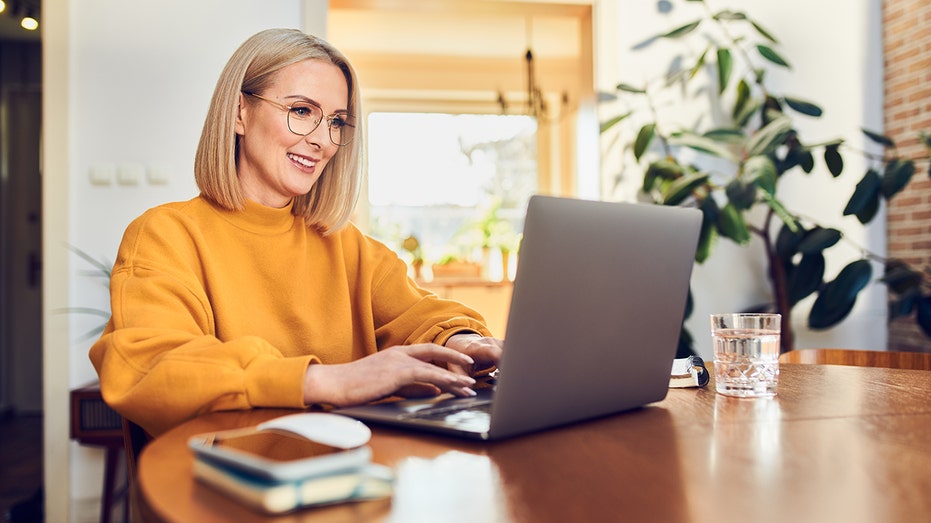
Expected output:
(277, 382)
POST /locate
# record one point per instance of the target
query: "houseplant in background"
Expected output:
(99, 272)
(730, 165)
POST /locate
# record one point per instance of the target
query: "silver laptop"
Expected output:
(595, 317)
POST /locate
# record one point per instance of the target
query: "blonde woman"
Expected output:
(259, 292)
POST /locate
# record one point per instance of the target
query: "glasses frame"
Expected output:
(329, 118)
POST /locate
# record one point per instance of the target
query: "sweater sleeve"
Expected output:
(405, 313)
(159, 361)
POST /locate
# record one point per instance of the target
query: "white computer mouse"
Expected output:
(322, 427)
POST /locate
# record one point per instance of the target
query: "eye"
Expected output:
(305, 112)
(338, 121)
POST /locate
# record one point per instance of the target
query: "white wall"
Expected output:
(834, 47)
(139, 77)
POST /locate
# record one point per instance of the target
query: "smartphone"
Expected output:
(276, 454)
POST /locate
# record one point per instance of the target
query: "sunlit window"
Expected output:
(458, 183)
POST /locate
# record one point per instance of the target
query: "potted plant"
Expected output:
(756, 137)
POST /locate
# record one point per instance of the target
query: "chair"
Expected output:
(860, 358)
(134, 439)
(94, 423)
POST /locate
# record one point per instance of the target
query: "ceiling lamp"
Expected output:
(537, 106)
(29, 21)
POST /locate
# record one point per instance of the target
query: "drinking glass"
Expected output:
(746, 353)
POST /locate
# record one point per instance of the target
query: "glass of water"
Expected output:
(746, 353)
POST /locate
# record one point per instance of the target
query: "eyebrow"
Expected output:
(302, 98)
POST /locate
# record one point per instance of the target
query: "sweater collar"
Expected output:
(257, 218)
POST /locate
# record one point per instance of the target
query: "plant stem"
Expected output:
(779, 285)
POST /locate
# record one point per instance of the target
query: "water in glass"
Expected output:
(746, 362)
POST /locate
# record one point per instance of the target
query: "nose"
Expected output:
(318, 136)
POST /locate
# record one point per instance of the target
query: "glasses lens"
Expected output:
(342, 128)
(304, 118)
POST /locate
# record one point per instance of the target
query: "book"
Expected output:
(688, 372)
(290, 462)
(276, 496)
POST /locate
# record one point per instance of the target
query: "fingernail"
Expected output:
(470, 392)
(469, 359)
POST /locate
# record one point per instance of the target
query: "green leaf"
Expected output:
(747, 111)
(613, 121)
(819, 239)
(833, 159)
(743, 94)
(865, 199)
(661, 169)
(725, 65)
(682, 188)
(903, 306)
(837, 298)
(699, 64)
(771, 55)
(682, 30)
(761, 171)
(896, 176)
(787, 218)
(700, 143)
(806, 277)
(727, 14)
(787, 241)
(924, 315)
(766, 34)
(825, 314)
(644, 137)
(901, 278)
(740, 194)
(804, 107)
(881, 139)
(767, 139)
(709, 231)
(726, 135)
(806, 160)
(731, 225)
(925, 139)
(630, 89)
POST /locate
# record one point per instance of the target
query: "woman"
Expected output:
(259, 292)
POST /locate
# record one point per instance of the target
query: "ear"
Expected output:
(241, 110)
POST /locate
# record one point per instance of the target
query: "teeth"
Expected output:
(301, 160)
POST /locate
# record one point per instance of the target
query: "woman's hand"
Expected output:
(409, 370)
(485, 352)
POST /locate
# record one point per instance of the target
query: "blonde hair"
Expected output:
(252, 68)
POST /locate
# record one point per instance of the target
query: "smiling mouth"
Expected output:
(306, 162)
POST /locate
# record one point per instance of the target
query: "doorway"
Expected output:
(21, 372)
(21, 228)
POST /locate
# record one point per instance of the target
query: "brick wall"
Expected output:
(907, 42)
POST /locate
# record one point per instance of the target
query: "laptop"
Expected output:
(595, 317)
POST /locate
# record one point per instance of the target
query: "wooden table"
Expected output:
(843, 444)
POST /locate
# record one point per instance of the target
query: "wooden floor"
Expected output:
(20, 460)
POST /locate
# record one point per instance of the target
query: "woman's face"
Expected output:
(274, 164)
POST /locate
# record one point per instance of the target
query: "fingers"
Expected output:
(485, 351)
(422, 368)
(437, 353)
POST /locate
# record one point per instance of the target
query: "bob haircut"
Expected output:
(252, 68)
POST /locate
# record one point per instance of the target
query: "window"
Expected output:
(459, 183)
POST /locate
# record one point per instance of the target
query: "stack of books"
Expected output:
(296, 461)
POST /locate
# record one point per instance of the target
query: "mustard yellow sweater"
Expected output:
(216, 310)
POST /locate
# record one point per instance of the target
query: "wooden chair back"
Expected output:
(134, 439)
(860, 358)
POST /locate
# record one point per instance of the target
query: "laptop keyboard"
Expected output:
(473, 416)
(444, 411)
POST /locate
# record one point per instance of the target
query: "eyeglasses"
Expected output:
(305, 117)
